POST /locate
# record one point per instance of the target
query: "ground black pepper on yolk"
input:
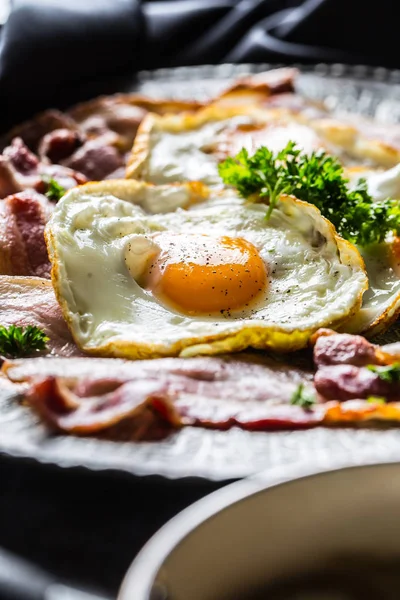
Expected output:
(200, 274)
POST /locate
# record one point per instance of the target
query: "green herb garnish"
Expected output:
(55, 191)
(376, 400)
(16, 342)
(302, 397)
(389, 373)
(319, 179)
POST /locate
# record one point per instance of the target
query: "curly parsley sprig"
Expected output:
(388, 373)
(319, 179)
(302, 397)
(16, 342)
(55, 191)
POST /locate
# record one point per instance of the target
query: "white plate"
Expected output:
(195, 452)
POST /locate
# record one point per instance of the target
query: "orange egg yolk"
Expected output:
(203, 274)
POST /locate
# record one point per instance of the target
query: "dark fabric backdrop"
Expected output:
(57, 52)
(88, 526)
(85, 527)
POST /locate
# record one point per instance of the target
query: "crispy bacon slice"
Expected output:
(61, 407)
(212, 392)
(31, 301)
(109, 115)
(89, 396)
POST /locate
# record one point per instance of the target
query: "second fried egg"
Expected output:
(381, 302)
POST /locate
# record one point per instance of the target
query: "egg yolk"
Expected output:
(202, 274)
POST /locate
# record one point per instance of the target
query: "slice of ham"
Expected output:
(23, 251)
(31, 301)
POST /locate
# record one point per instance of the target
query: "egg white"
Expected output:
(315, 278)
(381, 302)
(176, 148)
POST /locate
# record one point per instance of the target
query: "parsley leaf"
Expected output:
(55, 191)
(389, 373)
(318, 179)
(302, 398)
(21, 341)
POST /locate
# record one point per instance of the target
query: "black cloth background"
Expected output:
(88, 526)
(85, 527)
(54, 52)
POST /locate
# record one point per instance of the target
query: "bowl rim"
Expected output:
(138, 580)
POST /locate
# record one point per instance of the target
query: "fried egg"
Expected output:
(188, 147)
(202, 278)
(381, 302)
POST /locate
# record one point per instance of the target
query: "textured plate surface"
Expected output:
(220, 455)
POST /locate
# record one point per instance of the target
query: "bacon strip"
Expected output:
(23, 249)
(88, 396)
(179, 400)
(31, 301)
(200, 391)
(60, 407)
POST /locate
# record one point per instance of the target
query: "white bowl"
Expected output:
(264, 528)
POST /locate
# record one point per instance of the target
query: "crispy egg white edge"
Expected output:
(232, 338)
(381, 303)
